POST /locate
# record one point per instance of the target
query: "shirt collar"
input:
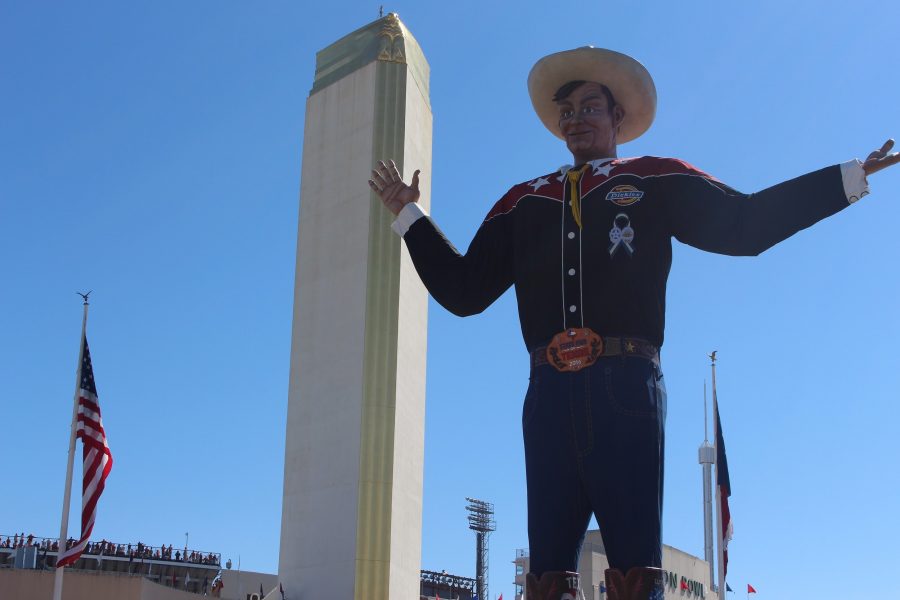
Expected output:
(595, 164)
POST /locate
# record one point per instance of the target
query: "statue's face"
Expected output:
(588, 123)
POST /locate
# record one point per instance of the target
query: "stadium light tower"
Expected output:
(481, 521)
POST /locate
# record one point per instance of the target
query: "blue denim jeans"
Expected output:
(594, 444)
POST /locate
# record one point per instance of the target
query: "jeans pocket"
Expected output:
(661, 396)
(633, 388)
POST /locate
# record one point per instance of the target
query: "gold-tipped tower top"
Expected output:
(386, 39)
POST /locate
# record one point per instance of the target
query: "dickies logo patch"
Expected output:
(624, 195)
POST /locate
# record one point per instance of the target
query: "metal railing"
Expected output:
(107, 549)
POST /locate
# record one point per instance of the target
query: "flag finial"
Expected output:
(712, 356)
(85, 296)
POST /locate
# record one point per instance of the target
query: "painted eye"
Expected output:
(566, 114)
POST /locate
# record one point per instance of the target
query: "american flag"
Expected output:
(96, 457)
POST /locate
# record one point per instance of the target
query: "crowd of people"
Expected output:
(167, 553)
(105, 548)
(21, 540)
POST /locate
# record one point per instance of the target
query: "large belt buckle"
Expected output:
(574, 349)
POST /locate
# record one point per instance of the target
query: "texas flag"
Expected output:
(723, 481)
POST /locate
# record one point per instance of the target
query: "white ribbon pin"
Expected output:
(621, 236)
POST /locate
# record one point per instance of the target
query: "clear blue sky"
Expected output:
(151, 152)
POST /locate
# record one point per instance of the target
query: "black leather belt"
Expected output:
(612, 346)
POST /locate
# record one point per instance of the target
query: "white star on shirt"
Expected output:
(538, 183)
(602, 166)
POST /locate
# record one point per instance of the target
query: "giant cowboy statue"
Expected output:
(588, 248)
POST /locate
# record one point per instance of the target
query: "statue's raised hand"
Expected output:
(880, 159)
(387, 183)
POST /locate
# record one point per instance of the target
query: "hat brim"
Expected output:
(627, 79)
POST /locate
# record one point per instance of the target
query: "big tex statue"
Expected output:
(588, 248)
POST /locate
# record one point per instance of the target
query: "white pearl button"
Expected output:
(571, 271)
(571, 235)
(572, 308)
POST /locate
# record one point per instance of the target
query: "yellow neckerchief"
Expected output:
(574, 176)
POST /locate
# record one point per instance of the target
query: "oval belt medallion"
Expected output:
(574, 349)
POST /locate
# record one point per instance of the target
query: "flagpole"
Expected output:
(721, 534)
(64, 523)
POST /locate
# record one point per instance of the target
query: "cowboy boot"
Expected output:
(641, 583)
(553, 585)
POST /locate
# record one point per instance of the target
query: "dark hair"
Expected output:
(566, 89)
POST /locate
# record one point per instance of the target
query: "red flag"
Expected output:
(684, 585)
(96, 457)
(750, 589)
(501, 597)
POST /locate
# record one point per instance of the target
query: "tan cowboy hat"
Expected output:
(627, 79)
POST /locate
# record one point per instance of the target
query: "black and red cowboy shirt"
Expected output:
(593, 247)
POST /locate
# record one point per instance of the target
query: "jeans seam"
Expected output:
(588, 420)
(526, 413)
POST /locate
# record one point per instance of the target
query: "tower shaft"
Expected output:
(707, 520)
(354, 448)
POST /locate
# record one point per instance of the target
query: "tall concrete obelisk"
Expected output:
(352, 510)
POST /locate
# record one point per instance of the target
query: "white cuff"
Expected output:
(408, 215)
(855, 184)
